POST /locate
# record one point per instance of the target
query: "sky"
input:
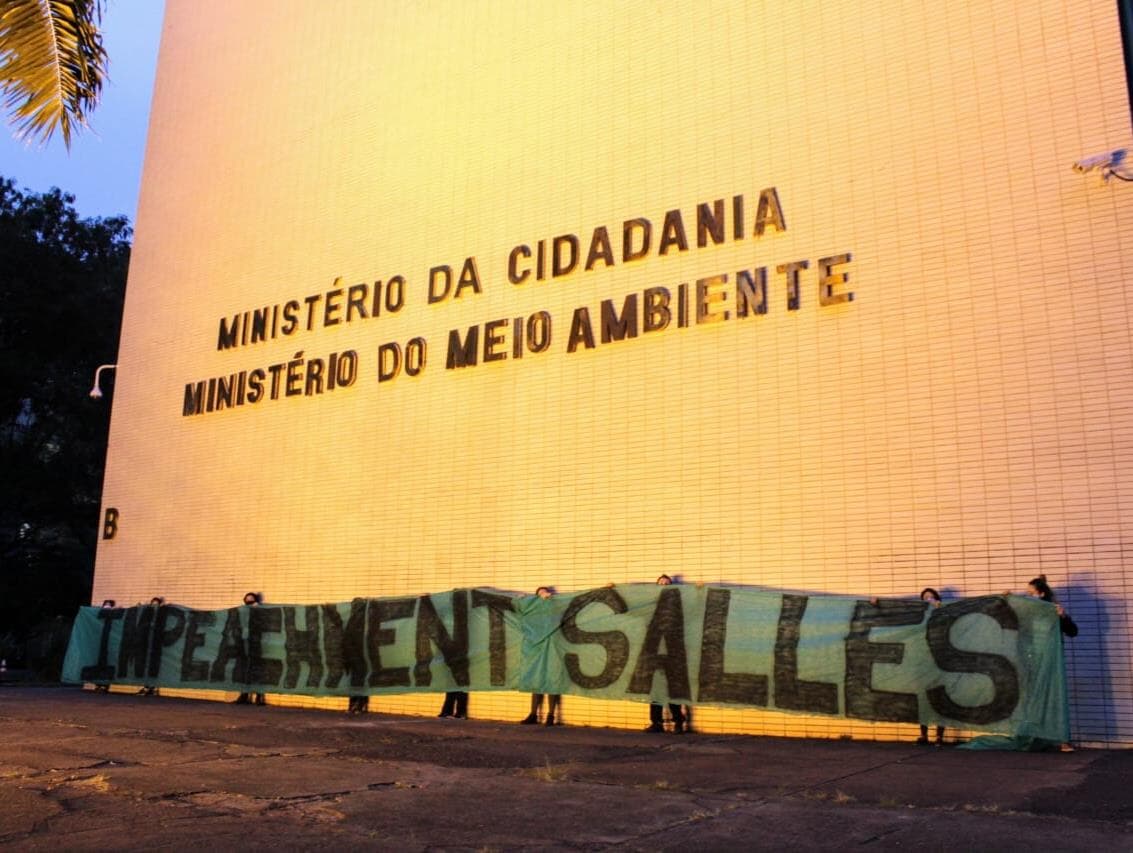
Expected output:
(103, 169)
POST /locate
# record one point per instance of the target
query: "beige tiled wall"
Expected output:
(965, 422)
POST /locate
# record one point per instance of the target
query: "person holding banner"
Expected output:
(656, 711)
(930, 595)
(251, 599)
(532, 719)
(104, 686)
(1039, 588)
(149, 689)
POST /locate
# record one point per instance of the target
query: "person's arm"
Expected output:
(1065, 623)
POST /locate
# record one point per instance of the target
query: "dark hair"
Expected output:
(156, 600)
(1045, 592)
(255, 596)
(538, 589)
(108, 603)
(666, 577)
(935, 595)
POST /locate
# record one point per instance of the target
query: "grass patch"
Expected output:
(814, 795)
(99, 782)
(549, 772)
(659, 785)
(702, 814)
(989, 808)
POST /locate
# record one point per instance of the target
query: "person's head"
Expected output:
(931, 596)
(664, 580)
(1039, 588)
(251, 599)
(108, 604)
(156, 601)
(543, 592)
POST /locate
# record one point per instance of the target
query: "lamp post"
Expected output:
(95, 391)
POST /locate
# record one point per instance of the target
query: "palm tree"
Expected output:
(52, 65)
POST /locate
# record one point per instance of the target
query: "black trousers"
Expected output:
(657, 714)
(552, 704)
(456, 704)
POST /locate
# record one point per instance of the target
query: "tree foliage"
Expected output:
(62, 282)
(52, 65)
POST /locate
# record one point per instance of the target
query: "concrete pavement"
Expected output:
(86, 771)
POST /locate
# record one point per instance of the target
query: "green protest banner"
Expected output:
(992, 664)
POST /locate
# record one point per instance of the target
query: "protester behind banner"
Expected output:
(251, 599)
(553, 700)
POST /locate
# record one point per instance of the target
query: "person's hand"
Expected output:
(873, 601)
(1060, 609)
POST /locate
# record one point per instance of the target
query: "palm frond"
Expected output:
(52, 65)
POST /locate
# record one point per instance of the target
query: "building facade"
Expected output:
(796, 295)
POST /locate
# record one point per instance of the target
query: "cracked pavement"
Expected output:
(87, 771)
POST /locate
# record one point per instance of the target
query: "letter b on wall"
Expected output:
(110, 523)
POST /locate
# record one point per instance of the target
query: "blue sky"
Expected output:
(103, 169)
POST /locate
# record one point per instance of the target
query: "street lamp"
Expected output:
(95, 391)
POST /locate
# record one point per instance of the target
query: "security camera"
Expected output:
(1098, 161)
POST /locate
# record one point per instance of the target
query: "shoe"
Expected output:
(529, 720)
(654, 728)
(460, 716)
(550, 722)
(443, 714)
(242, 699)
(1066, 748)
(678, 728)
(260, 700)
(922, 741)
